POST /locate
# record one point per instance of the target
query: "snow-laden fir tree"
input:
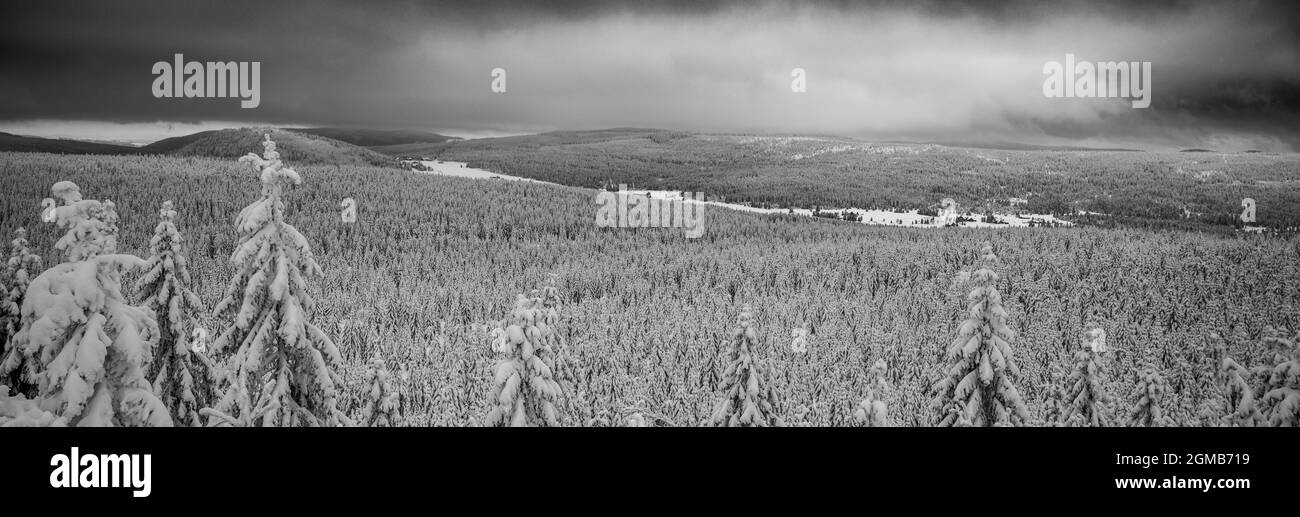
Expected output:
(748, 399)
(282, 371)
(1282, 382)
(636, 419)
(1239, 409)
(17, 276)
(182, 378)
(1209, 412)
(1149, 395)
(1088, 404)
(1054, 399)
(83, 346)
(525, 393)
(976, 388)
(381, 400)
(872, 411)
(1233, 401)
(562, 368)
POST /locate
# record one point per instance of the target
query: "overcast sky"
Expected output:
(1226, 75)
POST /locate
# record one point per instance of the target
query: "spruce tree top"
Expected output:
(274, 173)
(168, 212)
(91, 224)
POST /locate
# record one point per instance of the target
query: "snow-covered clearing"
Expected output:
(873, 217)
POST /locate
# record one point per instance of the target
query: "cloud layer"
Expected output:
(1224, 75)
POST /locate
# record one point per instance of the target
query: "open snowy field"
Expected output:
(909, 218)
(462, 170)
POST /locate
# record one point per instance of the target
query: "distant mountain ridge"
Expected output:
(539, 140)
(310, 145)
(1012, 146)
(412, 142)
(32, 144)
(662, 136)
(170, 145)
(295, 147)
(374, 137)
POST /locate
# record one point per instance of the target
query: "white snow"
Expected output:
(872, 217)
(461, 170)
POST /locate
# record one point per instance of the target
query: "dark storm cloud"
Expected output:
(1224, 73)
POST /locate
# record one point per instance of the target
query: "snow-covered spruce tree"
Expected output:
(282, 371)
(17, 276)
(977, 388)
(636, 419)
(525, 392)
(748, 399)
(1149, 395)
(872, 411)
(1088, 402)
(83, 346)
(1209, 410)
(1239, 399)
(182, 378)
(381, 400)
(1054, 399)
(562, 367)
(1282, 383)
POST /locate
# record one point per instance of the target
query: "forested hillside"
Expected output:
(1200, 191)
(646, 321)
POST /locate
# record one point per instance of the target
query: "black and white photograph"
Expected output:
(1078, 217)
